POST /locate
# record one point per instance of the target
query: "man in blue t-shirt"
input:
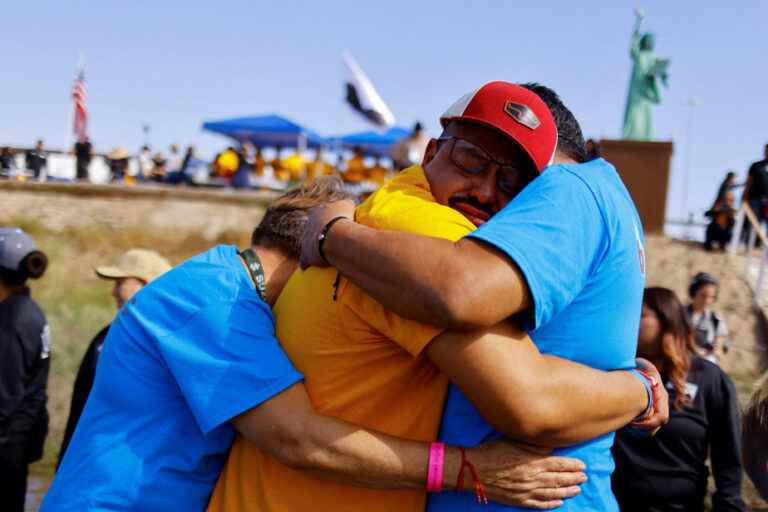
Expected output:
(192, 357)
(564, 258)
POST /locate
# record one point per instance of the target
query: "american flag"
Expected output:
(81, 112)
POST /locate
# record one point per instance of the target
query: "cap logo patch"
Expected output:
(522, 114)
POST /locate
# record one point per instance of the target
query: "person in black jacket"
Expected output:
(668, 472)
(133, 270)
(25, 347)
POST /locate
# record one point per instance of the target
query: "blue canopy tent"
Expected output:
(373, 143)
(269, 130)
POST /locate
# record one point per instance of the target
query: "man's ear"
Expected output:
(430, 152)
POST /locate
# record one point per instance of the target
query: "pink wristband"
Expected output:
(435, 467)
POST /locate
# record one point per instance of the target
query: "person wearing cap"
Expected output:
(192, 358)
(365, 364)
(117, 160)
(25, 348)
(564, 258)
(710, 331)
(134, 270)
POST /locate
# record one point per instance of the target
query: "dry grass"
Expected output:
(77, 304)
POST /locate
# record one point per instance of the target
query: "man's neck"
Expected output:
(277, 267)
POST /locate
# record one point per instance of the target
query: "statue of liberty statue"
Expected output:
(643, 86)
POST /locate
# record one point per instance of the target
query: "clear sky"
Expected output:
(173, 64)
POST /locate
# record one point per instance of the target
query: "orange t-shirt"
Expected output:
(361, 363)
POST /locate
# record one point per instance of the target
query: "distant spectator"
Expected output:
(242, 176)
(226, 163)
(174, 161)
(25, 347)
(129, 274)
(378, 172)
(176, 166)
(83, 155)
(756, 188)
(318, 167)
(723, 218)
(296, 166)
(593, 149)
(36, 160)
(145, 163)
(668, 472)
(188, 165)
(159, 169)
(755, 437)
(118, 163)
(410, 150)
(710, 332)
(355, 171)
(258, 163)
(727, 185)
(7, 162)
(278, 171)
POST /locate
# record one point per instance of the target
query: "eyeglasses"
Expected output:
(474, 160)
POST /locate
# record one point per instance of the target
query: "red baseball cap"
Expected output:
(515, 111)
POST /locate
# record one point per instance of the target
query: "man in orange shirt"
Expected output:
(371, 367)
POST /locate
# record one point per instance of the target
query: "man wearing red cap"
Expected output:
(565, 259)
(364, 364)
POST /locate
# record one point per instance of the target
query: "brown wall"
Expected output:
(644, 168)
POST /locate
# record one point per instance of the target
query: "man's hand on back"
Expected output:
(318, 218)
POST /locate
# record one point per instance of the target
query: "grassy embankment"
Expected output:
(77, 304)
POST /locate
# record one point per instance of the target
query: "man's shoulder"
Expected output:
(405, 203)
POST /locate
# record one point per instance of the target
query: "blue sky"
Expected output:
(173, 64)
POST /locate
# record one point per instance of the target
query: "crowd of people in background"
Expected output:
(243, 166)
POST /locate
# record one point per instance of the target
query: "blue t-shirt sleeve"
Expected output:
(555, 233)
(226, 360)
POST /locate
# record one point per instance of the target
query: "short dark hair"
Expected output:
(570, 140)
(285, 220)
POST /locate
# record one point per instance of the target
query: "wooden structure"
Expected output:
(644, 168)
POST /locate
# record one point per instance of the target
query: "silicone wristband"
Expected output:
(648, 383)
(435, 467)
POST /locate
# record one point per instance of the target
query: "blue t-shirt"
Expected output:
(190, 351)
(576, 236)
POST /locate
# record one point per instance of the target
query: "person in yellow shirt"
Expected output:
(258, 163)
(278, 169)
(318, 167)
(377, 173)
(295, 165)
(355, 172)
(366, 365)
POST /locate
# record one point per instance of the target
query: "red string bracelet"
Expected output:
(479, 489)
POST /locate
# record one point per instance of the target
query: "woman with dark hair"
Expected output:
(25, 346)
(668, 472)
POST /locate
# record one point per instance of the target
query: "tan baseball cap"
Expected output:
(139, 263)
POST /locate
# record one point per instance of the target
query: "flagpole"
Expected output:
(70, 116)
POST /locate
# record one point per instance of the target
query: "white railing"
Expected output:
(757, 229)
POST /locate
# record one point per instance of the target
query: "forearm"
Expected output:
(432, 280)
(288, 429)
(365, 458)
(410, 275)
(542, 400)
(583, 403)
